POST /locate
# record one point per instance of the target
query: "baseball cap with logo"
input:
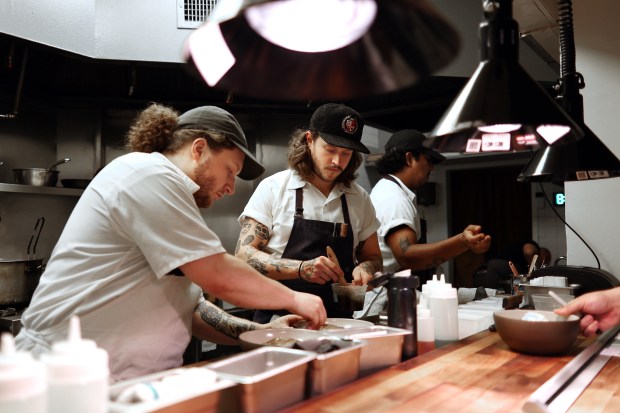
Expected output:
(410, 140)
(339, 125)
(212, 118)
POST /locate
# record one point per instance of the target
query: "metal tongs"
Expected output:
(38, 227)
(380, 279)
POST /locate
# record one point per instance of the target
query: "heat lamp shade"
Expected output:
(587, 158)
(500, 92)
(406, 41)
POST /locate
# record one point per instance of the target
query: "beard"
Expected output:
(203, 195)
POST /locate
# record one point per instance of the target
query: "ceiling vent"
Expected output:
(192, 13)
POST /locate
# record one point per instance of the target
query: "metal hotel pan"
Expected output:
(269, 378)
(334, 368)
(383, 347)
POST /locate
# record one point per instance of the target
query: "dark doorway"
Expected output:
(493, 198)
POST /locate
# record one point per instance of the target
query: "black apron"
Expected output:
(424, 275)
(309, 239)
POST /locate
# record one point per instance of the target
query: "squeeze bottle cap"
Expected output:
(75, 359)
(443, 291)
(423, 311)
(21, 376)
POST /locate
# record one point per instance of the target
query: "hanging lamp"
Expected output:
(587, 158)
(320, 49)
(501, 108)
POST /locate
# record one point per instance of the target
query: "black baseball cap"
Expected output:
(411, 140)
(212, 118)
(339, 125)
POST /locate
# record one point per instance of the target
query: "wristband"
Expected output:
(299, 270)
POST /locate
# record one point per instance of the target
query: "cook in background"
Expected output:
(520, 254)
(600, 309)
(295, 214)
(135, 255)
(405, 166)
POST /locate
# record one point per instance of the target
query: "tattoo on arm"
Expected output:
(222, 321)
(258, 265)
(261, 232)
(404, 243)
(372, 264)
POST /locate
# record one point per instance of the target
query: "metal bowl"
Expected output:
(35, 176)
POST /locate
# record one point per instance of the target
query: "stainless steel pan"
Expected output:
(38, 176)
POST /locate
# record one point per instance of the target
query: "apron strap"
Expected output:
(299, 203)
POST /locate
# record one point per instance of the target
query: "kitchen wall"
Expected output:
(592, 207)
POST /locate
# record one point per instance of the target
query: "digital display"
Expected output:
(559, 199)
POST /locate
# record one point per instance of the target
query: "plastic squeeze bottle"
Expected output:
(22, 380)
(77, 374)
(444, 310)
(426, 328)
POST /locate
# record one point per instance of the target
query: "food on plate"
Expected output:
(281, 342)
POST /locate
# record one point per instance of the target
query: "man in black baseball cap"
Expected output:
(405, 166)
(295, 215)
(339, 125)
(410, 140)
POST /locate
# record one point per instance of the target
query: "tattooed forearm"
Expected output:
(222, 321)
(258, 265)
(372, 264)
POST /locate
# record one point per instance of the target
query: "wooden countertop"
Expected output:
(477, 374)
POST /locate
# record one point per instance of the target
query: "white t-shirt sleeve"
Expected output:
(159, 213)
(260, 205)
(394, 212)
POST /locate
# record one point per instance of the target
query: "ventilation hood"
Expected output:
(135, 30)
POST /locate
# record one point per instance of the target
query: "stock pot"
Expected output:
(18, 280)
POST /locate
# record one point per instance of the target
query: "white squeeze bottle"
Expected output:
(427, 287)
(77, 374)
(444, 310)
(426, 329)
(22, 380)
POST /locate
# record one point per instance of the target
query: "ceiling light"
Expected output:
(320, 49)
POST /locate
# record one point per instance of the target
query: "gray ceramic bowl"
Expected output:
(551, 337)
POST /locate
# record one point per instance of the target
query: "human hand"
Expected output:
(286, 321)
(310, 307)
(476, 240)
(361, 276)
(601, 310)
(320, 270)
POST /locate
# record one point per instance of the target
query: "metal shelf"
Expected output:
(40, 190)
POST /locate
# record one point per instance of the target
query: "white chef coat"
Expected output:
(135, 222)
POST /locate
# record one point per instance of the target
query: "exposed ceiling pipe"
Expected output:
(20, 84)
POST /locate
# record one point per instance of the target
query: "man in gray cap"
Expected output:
(294, 215)
(405, 166)
(135, 255)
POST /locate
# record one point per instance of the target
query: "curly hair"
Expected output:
(155, 130)
(300, 159)
(394, 161)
